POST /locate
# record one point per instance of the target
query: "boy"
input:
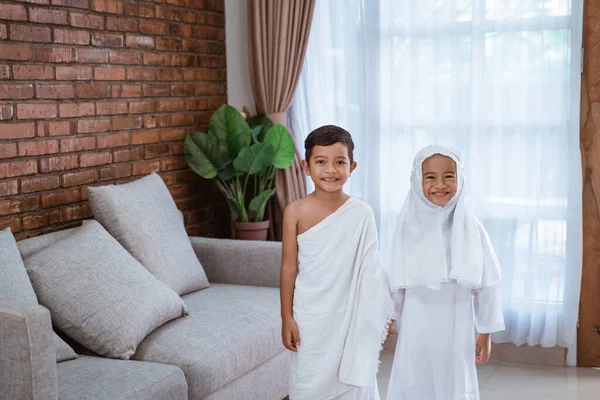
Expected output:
(335, 300)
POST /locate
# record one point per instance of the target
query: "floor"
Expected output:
(500, 380)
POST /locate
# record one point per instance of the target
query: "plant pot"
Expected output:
(251, 230)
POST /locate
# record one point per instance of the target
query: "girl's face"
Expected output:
(439, 179)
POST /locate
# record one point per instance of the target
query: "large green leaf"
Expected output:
(283, 144)
(228, 125)
(227, 173)
(254, 159)
(259, 203)
(204, 154)
(260, 124)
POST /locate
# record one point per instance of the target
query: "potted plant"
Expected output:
(242, 161)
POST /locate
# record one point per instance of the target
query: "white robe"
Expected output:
(342, 305)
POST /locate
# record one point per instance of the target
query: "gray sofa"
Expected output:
(228, 347)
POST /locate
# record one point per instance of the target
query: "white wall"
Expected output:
(239, 91)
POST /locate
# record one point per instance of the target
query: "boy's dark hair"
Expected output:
(326, 136)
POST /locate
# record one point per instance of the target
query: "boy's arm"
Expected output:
(289, 261)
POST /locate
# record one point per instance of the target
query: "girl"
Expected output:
(445, 275)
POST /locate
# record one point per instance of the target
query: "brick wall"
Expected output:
(94, 92)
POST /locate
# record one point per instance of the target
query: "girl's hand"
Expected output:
(391, 331)
(289, 334)
(483, 345)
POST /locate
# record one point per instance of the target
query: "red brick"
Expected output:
(180, 30)
(32, 72)
(15, 206)
(18, 168)
(128, 155)
(182, 60)
(125, 123)
(142, 107)
(38, 148)
(51, 54)
(124, 57)
(41, 220)
(211, 89)
(115, 172)
(95, 159)
(39, 184)
(108, 6)
(77, 144)
(146, 168)
(80, 178)
(154, 121)
(217, 102)
(140, 10)
(93, 125)
(172, 134)
(183, 119)
(36, 111)
(73, 73)
(4, 72)
(171, 105)
(54, 91)
(126, 91)
(211, 62)
(94, 56)
(15, 52)
(113, 140)
(28, 33)
(177, 148)
(17, 131)
(6, 112)
(107, 39)
(121, 24)
(14, 223)
(8, 188)
(157, 90)
(181, 3)
(169, 13)
(198, 104)
(89, 21)
(139, 42)
(166, 74)
(3, 31)
(183, 90)
(93, 90)
(154, 27)
(111, 108)
(109, 74)
(16, 91)
(8, 150)
(157, 150)
(83, 4)
(144, 137)
(141, 74)
(56, 128)
(77, 212)
(169, 44)
(209, 33)
(58, 163)
(157, 59)
(70, 110)
(13, 12)
(71, 36)
(45, 16)
(172, 164)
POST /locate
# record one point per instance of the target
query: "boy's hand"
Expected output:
(483, 345)
(289, 334)
(391, 331)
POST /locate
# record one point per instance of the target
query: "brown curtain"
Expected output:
(277, 38)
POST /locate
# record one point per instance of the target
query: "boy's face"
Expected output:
(439, 179)
(329, 167)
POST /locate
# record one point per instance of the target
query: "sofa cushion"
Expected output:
(230, 331)
(143, 217)
(104, 379)
(98, 294)
(15, 285)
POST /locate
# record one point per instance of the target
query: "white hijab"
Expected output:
(434, 244)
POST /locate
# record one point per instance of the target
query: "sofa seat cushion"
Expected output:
(229, 331)
(106, 379)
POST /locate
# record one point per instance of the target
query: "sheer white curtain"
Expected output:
(498, 80)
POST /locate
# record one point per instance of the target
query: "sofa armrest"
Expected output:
(239, 262)
(27, 355)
